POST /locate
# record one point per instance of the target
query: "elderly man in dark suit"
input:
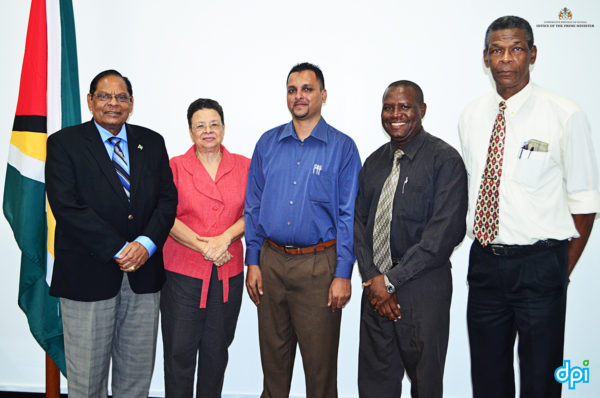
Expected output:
(111, 191)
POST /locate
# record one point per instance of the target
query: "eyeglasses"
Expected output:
(203, 127)
(104, 97)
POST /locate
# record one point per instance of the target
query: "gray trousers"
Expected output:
(123, 328)
(416, 343)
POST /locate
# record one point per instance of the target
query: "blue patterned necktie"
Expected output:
(120, 164)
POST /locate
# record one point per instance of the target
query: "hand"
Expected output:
(254, 283)
(213, 248)
(224, 258)
(390, 309)
(133, 256)
(339, 293)
(384, 303)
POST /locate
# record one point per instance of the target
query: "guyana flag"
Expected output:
(48, 101)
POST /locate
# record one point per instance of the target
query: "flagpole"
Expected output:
(52, 379)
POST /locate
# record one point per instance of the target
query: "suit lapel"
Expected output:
(98, 151)
(136, 160)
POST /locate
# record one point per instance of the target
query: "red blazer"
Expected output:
(208, 207)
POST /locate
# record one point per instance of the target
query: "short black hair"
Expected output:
(204, 103)
(407, 83)
(509, 22)
(308, 66)
(109, 72)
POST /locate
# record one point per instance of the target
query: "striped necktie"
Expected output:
(487, 209)
(120, 164)
(382, 255)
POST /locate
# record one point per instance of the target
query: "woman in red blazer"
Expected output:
(203, 256)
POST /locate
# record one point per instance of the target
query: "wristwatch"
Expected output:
(389, 287)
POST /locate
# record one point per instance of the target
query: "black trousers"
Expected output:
(522, 295)
(189, 331)
(416, 343)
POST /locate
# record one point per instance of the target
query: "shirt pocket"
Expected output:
(531, 168)
(414, 203)
(320, 187)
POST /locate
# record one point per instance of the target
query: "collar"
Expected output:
(411, 147)
(514, 103)
(319, 131)
(105, 134)
(193, 165)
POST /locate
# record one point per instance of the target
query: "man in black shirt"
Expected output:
(409, 216)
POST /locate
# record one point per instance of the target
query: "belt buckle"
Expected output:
(291, 249)
(498, 250)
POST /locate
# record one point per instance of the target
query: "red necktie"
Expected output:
(486, 223)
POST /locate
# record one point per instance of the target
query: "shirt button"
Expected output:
(130, 217)
(302, 144)
(294, 183)
(291, 202)
(289, 222)
(215, 208)
(298, 163)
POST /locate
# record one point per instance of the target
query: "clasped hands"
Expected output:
(132, 257)
(214, 249)
(384, 303)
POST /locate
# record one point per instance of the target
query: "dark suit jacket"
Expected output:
(94, 218)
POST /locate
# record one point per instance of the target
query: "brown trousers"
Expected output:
(293, 310)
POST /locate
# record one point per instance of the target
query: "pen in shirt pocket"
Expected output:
(533, 145)
(403, 185)
(524, 147)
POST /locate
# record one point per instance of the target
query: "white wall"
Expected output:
(239, 53)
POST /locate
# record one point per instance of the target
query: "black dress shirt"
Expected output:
(430, 205)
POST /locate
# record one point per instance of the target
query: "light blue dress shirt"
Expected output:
(105, 136)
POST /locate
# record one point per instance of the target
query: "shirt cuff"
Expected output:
(147, 243)
(119, 252)
(252, 256)
(369, 274)
(343, 270)
(584, 202)
(144, 241)
(395, 276)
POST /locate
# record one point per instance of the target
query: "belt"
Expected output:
(515, 250)
(319, 247)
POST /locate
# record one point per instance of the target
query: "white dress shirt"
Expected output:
(538, 190)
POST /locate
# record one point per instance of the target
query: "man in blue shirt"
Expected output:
(299, 214)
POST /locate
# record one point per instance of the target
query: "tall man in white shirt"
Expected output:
(533, 198)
